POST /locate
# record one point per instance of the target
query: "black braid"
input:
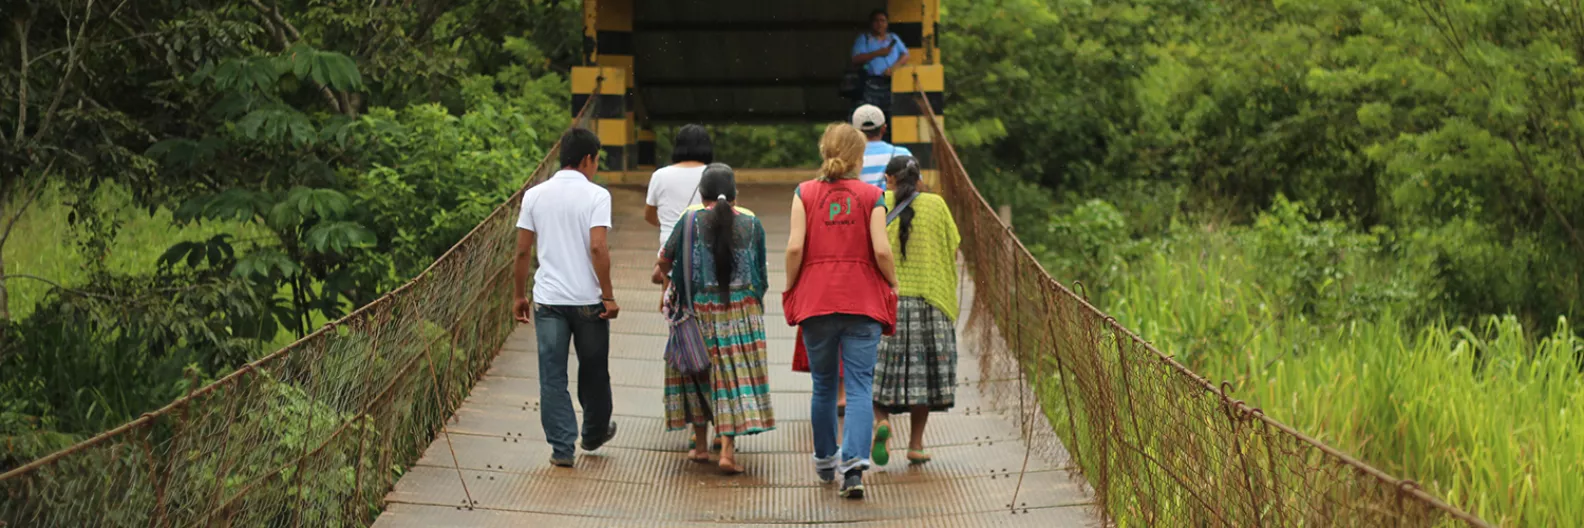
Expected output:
(719, 183)
(905, 170)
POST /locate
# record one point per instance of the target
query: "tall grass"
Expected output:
(1486, 416)
(45, 244)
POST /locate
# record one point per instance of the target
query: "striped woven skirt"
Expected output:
(735, 393)
(917, 365)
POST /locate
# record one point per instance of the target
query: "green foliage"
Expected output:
(1493, 402)
(432, 176)
(1321, 201)
(1451, 125)
(91, 362)
(755, 146)
(297, 162)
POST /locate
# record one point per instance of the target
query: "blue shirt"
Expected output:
(867, 43)
(876, 155)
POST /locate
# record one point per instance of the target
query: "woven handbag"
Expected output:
(685, 349)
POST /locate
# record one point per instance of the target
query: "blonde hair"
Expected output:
(842, 146)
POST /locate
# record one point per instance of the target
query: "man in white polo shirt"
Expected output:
(564, 220)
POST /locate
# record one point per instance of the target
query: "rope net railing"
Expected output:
(1158, 444)
(311, 435)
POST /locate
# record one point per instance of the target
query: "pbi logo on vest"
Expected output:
(839, 207)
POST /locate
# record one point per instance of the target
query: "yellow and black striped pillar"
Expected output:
(909, 123)
(611, 120)
(646, 150)
(914, 22)
(607, 47)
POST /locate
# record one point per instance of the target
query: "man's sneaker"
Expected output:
(852, 484)
(827, 475)
(561, 462)
(610, 432)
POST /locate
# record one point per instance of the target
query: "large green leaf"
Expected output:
(277, 123)
(326, 204)
(337, 237)
(236, 204)
(265, 262)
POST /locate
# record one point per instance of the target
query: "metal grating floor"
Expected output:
(983, 473)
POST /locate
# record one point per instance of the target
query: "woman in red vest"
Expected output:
(841, 293)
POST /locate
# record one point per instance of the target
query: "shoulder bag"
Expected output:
(685, 348)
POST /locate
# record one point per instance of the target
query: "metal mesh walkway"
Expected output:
(981, 465)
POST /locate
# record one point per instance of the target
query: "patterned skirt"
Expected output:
(735, 393)
(918, 365)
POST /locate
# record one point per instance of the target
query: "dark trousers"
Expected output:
(558, 328)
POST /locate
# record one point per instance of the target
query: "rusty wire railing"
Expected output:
(311, 435)
(1158, 444)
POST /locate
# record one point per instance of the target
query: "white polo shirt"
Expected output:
(560, 212)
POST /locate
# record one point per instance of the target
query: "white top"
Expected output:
(560, 212)
(671, 190)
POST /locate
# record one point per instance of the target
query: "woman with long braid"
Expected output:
(916, 367)
(728, 283)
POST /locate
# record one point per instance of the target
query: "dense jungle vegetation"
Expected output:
(1365, 214)
(1362, 213)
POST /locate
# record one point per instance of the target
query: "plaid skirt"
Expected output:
(917, 365)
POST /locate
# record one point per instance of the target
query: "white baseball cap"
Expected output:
(868, 118)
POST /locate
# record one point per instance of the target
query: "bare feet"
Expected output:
(728, 456)
(695, 455)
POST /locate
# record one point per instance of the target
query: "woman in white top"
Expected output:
(675, 187)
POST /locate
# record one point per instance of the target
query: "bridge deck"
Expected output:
(640, 478)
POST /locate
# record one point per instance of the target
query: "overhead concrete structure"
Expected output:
(657, 62)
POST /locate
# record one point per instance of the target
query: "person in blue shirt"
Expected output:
(879, 52)
(872, 121)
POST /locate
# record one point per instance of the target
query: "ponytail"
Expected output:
(725, 219)
(720, 182)
(842, 148)
(905, 170)
(833, 169)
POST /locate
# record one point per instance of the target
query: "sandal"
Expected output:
(694, 455)
(918, 456)
(878, 453)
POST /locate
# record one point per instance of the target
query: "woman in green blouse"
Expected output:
(916, 369)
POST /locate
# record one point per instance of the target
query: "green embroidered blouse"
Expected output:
(929, 270)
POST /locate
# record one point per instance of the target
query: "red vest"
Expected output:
(839, 274)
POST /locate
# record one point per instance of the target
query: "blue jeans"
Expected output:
(852, 340)
(556, 327)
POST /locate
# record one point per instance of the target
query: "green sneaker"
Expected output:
(878, 453)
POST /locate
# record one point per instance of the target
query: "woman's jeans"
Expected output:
(556, 328)
(850, 341)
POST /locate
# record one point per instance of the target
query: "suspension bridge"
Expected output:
(420, 408)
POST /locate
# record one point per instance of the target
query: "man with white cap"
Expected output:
(872, 121)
